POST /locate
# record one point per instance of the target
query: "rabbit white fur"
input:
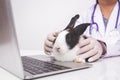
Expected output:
(66, 46)
(62, 52)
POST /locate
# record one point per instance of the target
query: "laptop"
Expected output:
(26, 67)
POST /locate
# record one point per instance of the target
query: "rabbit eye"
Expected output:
(85, 37)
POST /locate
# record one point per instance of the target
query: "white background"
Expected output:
(35, 19)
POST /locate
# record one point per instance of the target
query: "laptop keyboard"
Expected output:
(35, 66)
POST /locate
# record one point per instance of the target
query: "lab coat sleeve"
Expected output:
(113, 49)
(113, 44)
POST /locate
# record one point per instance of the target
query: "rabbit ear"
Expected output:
(72, 38)
(72, 22)
(79, 30)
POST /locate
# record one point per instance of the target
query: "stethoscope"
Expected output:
(114, 32)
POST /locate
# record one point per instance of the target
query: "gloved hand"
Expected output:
(91, 48)
(48, 44)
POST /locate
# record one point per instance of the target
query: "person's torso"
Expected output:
(104, 29)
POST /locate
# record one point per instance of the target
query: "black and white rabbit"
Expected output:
(65, 46)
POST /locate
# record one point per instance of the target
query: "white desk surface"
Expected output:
(104, 69)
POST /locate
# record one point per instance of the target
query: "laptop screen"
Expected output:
(9, 53)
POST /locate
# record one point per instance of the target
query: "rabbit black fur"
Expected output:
(65, 46)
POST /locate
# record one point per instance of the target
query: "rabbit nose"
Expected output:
(58, 49)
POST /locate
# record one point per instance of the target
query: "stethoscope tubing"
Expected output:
(93, 22)
(118, 14)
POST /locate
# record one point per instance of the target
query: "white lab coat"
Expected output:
(113, 43)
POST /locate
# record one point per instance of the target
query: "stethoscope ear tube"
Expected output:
(93, 22)
(118, 14)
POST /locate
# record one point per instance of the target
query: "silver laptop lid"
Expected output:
(9, 52)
